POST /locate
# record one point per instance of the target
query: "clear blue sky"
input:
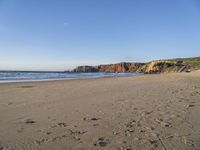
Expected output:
(60, 34)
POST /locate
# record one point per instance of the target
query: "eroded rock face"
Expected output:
(159, 66)
(86, 69)
(120, 67)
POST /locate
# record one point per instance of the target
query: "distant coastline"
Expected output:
(152, 67)
(105, 70)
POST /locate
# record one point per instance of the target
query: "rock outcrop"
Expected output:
(86, 69)
(153, 67)
(161, 66)
(120, 67)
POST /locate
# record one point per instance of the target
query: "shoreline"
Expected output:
(89, 78)
(64, 79)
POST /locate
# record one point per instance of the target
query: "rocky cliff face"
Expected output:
(152, 67)
(120, 67)
(86, 69)
(164, 67)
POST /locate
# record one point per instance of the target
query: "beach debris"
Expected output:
(102, 141)
(29, 121)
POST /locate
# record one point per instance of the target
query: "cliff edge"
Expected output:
(147, 68)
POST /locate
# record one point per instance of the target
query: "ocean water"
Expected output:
(22, 76)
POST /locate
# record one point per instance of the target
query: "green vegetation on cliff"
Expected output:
(193, 62)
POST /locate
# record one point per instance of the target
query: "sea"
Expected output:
(26, 76)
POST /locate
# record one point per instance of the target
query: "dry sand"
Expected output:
(123, 113)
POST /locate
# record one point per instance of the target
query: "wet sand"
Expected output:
(121, 113)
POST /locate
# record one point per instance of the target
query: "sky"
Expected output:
(61, 34)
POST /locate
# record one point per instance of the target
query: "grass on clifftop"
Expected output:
(194, 62)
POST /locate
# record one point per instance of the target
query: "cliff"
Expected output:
(152, 67)
(120, 67)
(162, 66)
(86, 69)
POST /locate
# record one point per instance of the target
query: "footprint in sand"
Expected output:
(153, 143)
(102, 142)
(163, 123)
(59, 124)
(40, 142)
(62, 124)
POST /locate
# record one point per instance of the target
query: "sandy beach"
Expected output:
(120, 113)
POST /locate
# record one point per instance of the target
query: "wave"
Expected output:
(17, 76)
